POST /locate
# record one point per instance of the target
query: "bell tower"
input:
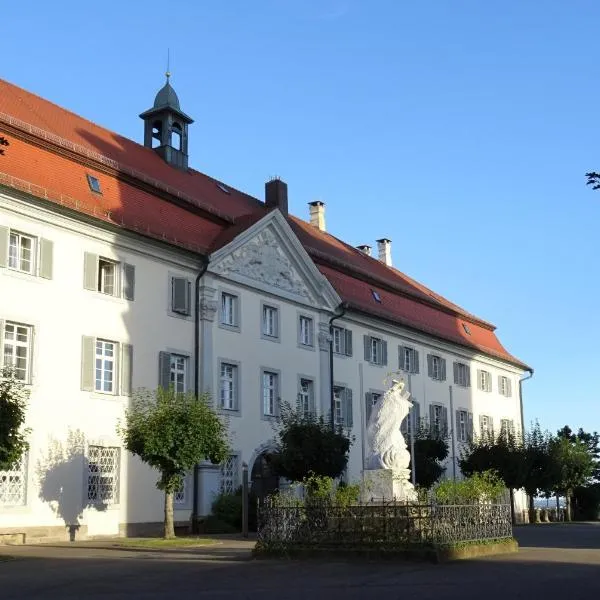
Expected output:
(166, 127)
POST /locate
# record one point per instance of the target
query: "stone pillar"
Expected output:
(324, 375)
(208, 309)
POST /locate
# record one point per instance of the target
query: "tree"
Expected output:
(173, 432)
(3, 142)
(592, 443)
(538, 465)
(503, 455)
(307, 445)
(593, 179)
(13, 406)
(572, 466)
(431, 449)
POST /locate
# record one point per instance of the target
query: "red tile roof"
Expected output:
(52, 150)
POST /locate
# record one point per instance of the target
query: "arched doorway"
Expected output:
(264, 481)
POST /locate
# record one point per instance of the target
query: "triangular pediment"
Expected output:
(268, 256)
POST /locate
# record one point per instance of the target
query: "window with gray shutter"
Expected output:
(46, 258)
(88, 356)
(415, 365)
(443, 369)
(367, 341)
(164, 369)
(3, 246)
(128, 282)
(348, 342)
(470, 427)
(383, 344)
(444, 422)
(430, 366)
(180, 295)
(126, 369)
(90, 271)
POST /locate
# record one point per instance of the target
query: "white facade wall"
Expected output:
(65, 420)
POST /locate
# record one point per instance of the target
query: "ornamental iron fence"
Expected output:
(287, 523)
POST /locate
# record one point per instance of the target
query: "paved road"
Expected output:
(555, 561)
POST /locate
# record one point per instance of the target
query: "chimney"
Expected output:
(276, 195)
(384, 248)
(365, 248)
(317, 214)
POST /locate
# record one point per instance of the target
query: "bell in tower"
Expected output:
(166, 127)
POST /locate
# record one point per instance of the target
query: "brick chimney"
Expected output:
(365, 248)
(317, 214)
(276, 195)
(384, 249)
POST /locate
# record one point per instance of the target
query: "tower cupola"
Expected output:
(166, 127)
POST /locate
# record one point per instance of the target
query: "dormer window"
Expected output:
(94, 184)
(376, 296)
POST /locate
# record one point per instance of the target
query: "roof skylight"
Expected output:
(466, 328)
(376, 296)
(223, 188)
(94, 184)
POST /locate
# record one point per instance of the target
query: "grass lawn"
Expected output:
(177, 542)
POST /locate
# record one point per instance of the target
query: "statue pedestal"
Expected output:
(386, 484)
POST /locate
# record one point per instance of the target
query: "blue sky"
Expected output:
(460, 129)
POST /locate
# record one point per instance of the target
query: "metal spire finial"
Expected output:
(168, 73)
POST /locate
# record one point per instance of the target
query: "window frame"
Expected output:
(309, 342)
(116, 473)
(264, 371)
(186, 313)
(276, 336)
(462, 374)
(436, 367)
(235, 310)
(236, 378)
(33, 250)
(175, 356)
(20, 469)
(15, 343)
(344, 333)
(235, 479)
(116, 283)
(463, 420)
(115, 366)
(484, 380)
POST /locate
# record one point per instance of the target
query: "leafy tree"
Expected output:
(431, 449)
(593, 179)
(591, 441)
(3, 142)
(13, 405)
(538, 464)
(173, 432)
(308, 446)
(572, 466)
(503, 455)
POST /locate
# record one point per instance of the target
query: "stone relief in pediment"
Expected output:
(262, 259)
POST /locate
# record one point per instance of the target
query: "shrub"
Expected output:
(485, 486)
(227, 509)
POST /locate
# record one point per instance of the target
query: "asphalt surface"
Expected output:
(555, 561)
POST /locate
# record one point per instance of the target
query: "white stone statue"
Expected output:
(387, 473)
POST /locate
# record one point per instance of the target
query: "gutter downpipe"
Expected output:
(201, 272)
(529, 501)
(338, 315)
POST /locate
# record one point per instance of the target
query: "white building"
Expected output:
(105, 287)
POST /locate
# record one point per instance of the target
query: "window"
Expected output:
(413, 417)
(21, 252)
(229, 310)
(466, 328)
(436, 367)
(504, 386)
(438, 417)
(181, 494)
(229, 474)
(507, 427)
(103, 474)
(342, 397)
(105, 366)
(306, 396)
(342, 341)
(484, 380)
(376, 296)
(408, 359)
(106, 276)
(270, 324)
(463, 425)
(269, 393)
(228, 386)
(306, 331)
(181, 295)
(94, 184)
(178, 372)
(462, 374)
(375, 350)
(17, 349)
(13, 484)
(486, 426)
(372, 398)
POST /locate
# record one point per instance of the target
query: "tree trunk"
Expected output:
(531, 511)
(568, 505)
(169, 525)
(513, 517)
